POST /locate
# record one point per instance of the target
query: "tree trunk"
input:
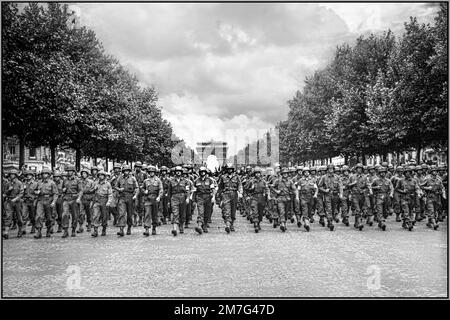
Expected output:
(418, 148)
(95, 161)
(346, 160)
(106, 164)
(53, 156)
(21, 152)
(363, 158)
(78, 159)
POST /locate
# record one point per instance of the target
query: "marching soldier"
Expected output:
(128, 189)
(59, 202)
(73, 191)
(358, 184)
(283, 188)
(434, 190)
(13, 203)
(103, 198)
(179, 189)
(307, 189)
(189, 205)
(140, 176)
(383, 190)
(396, 201)
(330, 186)
(86, 200)
(229, 191)
(345, 202)
(204, 197)
(165, 179)
(152, 191)
(258, 191)
(30, 200)
(409, 190)
(113, 209)
(47, 196)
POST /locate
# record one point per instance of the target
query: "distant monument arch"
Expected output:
(215, 148)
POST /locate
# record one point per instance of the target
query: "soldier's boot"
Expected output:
(186, 224)
(306, 225)
(330, 224)
(165, 220)
(275, 222)
(14, 226)
(345, 221)
(88, 227)
(255, 225)
(174, 230)
(140, 221)
(227, 227)
(33, 229)
(38, 235)
(405, 224)
(80, 229)
(146, 232)
(49, 232)
(74, 233)
(153, 230)
(299, 221)
(181, 228)
(134, 221)
(259, 225)
(283, 226)
(19, 233)
(120, 233)
(397, 217)
(65, 233)
(440, 217)
(370, 221)
(322, 221)
(103, 231)
(198, 228)
(382, 225)
(358, 224)
(410, 226)
(292, 219)
(311, 218)
(232, 226)
(95, 233)
(128, 230)
(59, 229)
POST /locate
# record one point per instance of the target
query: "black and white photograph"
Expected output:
(214, 150)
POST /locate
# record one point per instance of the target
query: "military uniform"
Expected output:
(179, 189)
(88, 186)
(283, 189)
(204, 192)
(434, 190)
(307, 189)
(383, 190)
(128, 189)
(30, 202)
(409, 189)
(73, 191)
(152, 192)
(330, 188)
(103, 197)
(229, 190)
(13, 205)
(48, 195)
(140, 177)
(258, 190)
(358, 184)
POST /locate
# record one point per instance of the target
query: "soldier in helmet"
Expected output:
(73, 191)
(13, 203)
(283, 188)
(86, 200)
(179, 192)
(307, 189)
(204, 194)
(103, 198)
(29, 200)
(434, 190)
(59, 202)
(128, 189)
(94, 172)
(165, 204)
(140, 176)
(330, 186)
(152, 191)
(383, 190)
(258, 191)
(443, 175)
(113, 209)
(396, 204)
(358, 185)
(47, 196)
(229, 191)
(409, 189)
(345, 202)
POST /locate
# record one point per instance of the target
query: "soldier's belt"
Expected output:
(229, 191)
(182, 192)
(152, 193)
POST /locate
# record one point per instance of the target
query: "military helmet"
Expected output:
(399, 168)
(84, 170)
(229, 166)
(313, 169)
(377, 167)
(70, 168)
(138, 164)
(151, 168)
(144, 167)
(27, 172)
(306, 169)
(45, 170)
(424, 167)
(370, 168)
(299, 168)
(285, 170)
(390, 166)
(330, 166)
(382, 169)
(164, 168)
(178, 168)
(14, 171)
(101, 172)
(257, 169)
(248, 168)
(359, 165)
(202, 169)
(55, 174)
(337, 169)
(384, 164)
(126, 168)
(116, 166)
(95, 168)
(345, 168)
(185, 171)
(408, 168)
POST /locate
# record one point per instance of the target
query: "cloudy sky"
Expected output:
(223, 67)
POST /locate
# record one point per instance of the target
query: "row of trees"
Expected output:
(383, 94)
(60, 89)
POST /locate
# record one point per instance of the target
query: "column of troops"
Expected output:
(150, 197)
